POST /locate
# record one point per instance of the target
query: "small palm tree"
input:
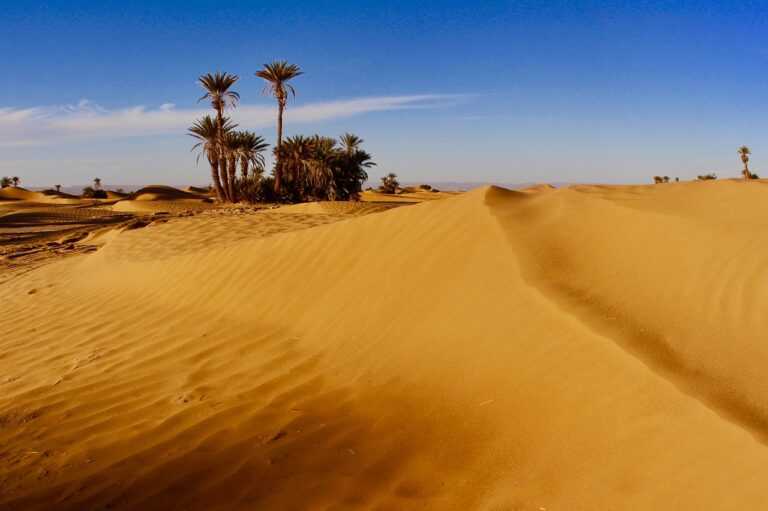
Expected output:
(15, 180)
(354, 161)
(97, 183)
(277, 74)
(744, 152)
(58, 188)
(206, 132)
(250, 152)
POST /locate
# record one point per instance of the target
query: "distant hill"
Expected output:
(78, 189)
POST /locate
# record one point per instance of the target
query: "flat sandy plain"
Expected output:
(589, 347)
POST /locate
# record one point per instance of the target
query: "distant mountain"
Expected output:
(450, 186)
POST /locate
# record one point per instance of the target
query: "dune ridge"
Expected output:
(585, 347)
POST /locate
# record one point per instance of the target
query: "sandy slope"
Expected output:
(581, 348)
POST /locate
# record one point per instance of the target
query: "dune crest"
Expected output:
(469, 353)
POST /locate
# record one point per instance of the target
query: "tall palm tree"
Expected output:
(97, 183)
(277, 74)
(250, 152)
(744, 152)
(206, 131)
(217, 92)
(231, 153)
(58, 188)
(15, 180)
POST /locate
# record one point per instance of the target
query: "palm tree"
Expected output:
(97, 183)
(250, 151)
(352, 174)
(231, 154)
(389, 183)
(58, 188)
(217, 91)
(15, 180)
(206, 131)
(277, 74)
(744, 152)
(5, 182)
(217, 87)
(296, 156)
(350, 143)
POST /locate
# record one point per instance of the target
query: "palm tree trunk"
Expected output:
(746, 171)
(216, 180)
(278, 165)
(231, 178)
(244, 168)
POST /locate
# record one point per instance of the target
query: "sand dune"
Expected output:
(591, 347)
(157, 198)
(161, 192)
(18, 193)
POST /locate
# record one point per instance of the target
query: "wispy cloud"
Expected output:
(86, 121)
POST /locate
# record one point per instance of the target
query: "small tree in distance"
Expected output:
(389, 183)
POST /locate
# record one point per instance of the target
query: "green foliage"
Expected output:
(91, 193)
(5, 182)
(749, 175)
(317, 168)
(277, 74)
(706, 177)
(389, 183)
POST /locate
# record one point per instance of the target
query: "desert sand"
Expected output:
(590, 347)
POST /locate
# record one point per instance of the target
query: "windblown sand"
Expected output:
(591, 347)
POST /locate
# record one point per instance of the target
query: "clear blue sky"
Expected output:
(465, 91)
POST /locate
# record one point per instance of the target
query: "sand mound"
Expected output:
(590, 347)
(162, 193)
(53, 194)
(18, 193)
(112, 195)
(198, 191)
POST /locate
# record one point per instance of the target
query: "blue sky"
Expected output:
(465, 91)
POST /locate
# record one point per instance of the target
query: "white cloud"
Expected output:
(85, 121)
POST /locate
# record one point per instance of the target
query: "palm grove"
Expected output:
(306, 167)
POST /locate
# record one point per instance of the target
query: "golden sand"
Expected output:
(592, 347)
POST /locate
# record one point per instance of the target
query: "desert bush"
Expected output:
(706, 177)
(90, 193)
(389, 183)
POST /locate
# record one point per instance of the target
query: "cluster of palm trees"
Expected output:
(306, 168)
